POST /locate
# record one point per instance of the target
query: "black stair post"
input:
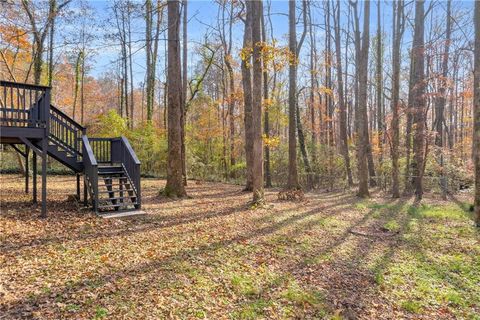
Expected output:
(34, 178)
(85, 196)
(44, 177)
(27, 169)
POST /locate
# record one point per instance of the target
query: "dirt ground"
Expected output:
(212, 256)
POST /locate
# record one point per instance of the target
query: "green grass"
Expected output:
(252, 310)
(438, 264)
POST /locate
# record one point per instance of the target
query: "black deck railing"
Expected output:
(118, 151)
(66, 132)
(91, 170)
(24, 105)
(102, 149)
(122, 152)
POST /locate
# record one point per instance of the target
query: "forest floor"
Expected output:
(212, 256)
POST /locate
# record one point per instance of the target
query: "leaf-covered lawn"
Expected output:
(212, 256)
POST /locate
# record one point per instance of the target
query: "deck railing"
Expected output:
(24, 105)
(118, 151)
(91, 170)
(102, 149)
(66, 132)
(122, 152)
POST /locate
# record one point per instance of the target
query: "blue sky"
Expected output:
(204, 13)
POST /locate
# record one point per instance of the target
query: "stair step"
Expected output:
(110, 172)
(116, 191)
(117, 185)
(119, 178)
(116, 198)
(123, 213)
(117, 205)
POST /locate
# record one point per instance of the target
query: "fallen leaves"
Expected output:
(210, 256)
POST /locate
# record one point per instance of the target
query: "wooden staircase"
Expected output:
(110, 168)
(116, 190)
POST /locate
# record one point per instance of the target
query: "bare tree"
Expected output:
(175, 185)
(40, 32)
(398, 29)
(476, 110)
(418, 98)
(151, 48)
(266, 122)
(247, 93)
(441, 101)
(257, 168)
(292, 100)
(184, 87)
(341, 95)
(361, 117)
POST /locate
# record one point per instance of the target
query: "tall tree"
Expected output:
(398, 29)
(379, 82)
(418, 97)
(361, 117)
(476, 110)
(257, 168)
(292, 99)
(227, 44)
(247, 93)
(175, 185)
(184, 87)
(341, 96)
(40, 32)
(151, 48)
(441, 101)
(266, 121)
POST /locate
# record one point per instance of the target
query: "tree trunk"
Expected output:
(379, 83)
(398, 29)
(184, 90)
(175, 185)
(418, 96)
(341, 97)
(476, 110)
(408, 134)
(53, 5)
(440, 103)
(257, 168)
(361, 113)
(266, 122)
(132, 100)
(292, 101)
(148, 51)
(313, 87)
(247, 94)
(77, 82)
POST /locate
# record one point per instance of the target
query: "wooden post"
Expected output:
(27, 169)
(85, 191)
(78, 186)
(34, 178)
(44, 177)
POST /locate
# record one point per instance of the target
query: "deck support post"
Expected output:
(44, 177)
(78, 186)
(27, 169)
(34, 178)
(85, 196)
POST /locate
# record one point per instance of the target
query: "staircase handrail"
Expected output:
(67, 117)
(91, 170)
(123, 152)
(66, 131)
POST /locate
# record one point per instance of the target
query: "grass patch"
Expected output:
(299, 296)
(392, 226)
(412, 306)
(246, 285)
(252, 310)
